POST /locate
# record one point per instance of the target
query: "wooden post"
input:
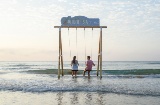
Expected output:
(59, 56)
(101, 53)
(98, 58)
(61, 59)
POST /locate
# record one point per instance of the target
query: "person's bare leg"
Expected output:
(75, 73)
(84, 72)
(72, 73)
(88, 73)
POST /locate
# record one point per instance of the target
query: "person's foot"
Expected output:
(83, 73)
(88, 77)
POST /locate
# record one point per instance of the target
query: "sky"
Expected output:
(27, 30)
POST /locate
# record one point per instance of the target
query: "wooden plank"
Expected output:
(80, 26)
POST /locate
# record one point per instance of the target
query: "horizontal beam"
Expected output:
(80, 26)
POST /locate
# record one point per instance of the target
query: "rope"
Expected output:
(91, 43)
(85, 44)
(69, 43)
(76, 43)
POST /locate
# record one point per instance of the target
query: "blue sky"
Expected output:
(27, 29)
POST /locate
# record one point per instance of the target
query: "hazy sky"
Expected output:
(27, 29)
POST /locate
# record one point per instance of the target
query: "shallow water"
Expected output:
(74, 98)
(18, 87)
(108, 84)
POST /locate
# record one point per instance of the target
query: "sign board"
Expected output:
(79, 21)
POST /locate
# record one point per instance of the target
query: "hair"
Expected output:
(74, 59)
(88, 57)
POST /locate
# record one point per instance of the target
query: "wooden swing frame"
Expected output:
(60, 57)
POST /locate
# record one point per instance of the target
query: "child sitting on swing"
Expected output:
(89, 65)
(74, 64)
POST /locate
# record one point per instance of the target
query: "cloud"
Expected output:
(30, 23)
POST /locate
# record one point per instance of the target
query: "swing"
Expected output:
(88, 57)
(84, 49)
(86, 23)
(91, 42)
(70, 54)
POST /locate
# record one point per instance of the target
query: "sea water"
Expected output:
(144, 89)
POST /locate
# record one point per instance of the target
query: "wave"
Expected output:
(134, 72)
(40, 84)
(104, 72)
(154, 63)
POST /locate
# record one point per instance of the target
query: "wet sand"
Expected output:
(74, 98)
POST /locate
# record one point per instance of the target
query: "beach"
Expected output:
(42, 41)
(36, 83)
(74, 98)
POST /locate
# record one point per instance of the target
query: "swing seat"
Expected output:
(88, 70)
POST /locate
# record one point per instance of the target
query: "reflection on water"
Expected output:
(74, 99)
(100, 99)
(80, 98)
(60, 98)
(88, 98)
